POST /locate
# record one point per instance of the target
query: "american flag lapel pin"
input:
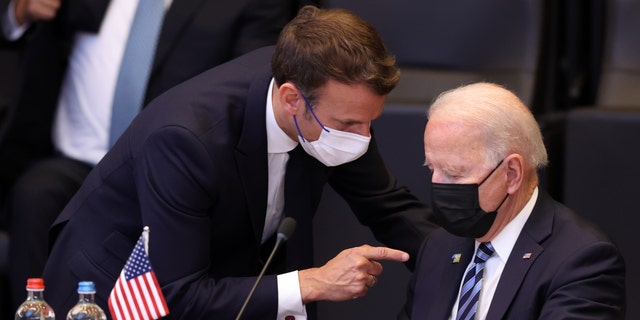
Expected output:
(527, 255)
(455, 258)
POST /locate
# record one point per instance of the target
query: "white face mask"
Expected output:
(333, 147)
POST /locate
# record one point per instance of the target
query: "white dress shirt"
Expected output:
(503, 244)
(278, 146)
(83, 117)
(82, 121)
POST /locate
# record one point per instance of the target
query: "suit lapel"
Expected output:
(251, 155)
(525, 252)
(444, 283)
(456, 273)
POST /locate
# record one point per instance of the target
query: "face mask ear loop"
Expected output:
(500, 205)
(298, 128)
(490, 173)
(313, 113)
(487, 177)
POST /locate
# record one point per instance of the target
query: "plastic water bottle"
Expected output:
(86, 308)
(35, 308)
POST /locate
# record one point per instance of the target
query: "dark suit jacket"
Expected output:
(574, 272)
(196, 35)
(193, 167)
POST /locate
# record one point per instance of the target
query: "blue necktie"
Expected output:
(135, 66)
(470, 292)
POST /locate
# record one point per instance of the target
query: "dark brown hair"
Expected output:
(322, 44)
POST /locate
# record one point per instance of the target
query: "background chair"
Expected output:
(602, 172)
(442, 44)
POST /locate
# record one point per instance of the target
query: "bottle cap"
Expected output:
(86, 287)
(35, 284)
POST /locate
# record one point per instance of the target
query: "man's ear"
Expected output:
(290, 97)
(515, 172)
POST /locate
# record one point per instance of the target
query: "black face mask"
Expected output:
(457, 208)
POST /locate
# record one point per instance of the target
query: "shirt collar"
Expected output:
(277, 140)
(504, 242)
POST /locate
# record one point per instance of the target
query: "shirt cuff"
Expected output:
(289, 298)
(10, 27)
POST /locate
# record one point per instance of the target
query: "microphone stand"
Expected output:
(284, 232)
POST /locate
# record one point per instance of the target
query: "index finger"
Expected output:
(383, 253)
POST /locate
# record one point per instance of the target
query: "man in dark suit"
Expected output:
(57, 129)
(536, 258)
(214, 164)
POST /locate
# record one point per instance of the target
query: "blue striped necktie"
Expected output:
(136, 66)
(470, 292)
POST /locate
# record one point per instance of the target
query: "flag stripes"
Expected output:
(136, 294)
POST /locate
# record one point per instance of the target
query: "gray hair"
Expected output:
(507, 125)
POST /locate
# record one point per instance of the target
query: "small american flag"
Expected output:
(137, 294)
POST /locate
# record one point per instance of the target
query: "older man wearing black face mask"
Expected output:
(529, 258)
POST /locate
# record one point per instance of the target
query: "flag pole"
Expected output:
(145, 239)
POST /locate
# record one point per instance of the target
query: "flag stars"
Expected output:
(138, 262)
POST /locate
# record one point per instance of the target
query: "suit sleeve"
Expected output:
(176, 183)
(589, 285)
